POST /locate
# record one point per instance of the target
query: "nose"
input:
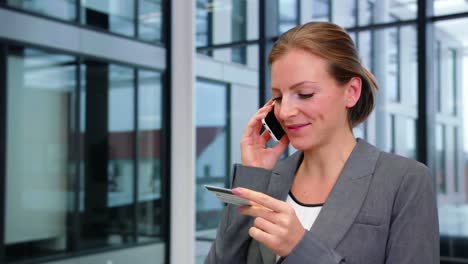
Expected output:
(286, 109)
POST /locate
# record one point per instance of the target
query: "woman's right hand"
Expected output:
(253, 145)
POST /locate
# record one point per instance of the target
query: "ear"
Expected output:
(353, 91)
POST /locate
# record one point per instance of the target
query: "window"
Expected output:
(40, 133)
(85, 185)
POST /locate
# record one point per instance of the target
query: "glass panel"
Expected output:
(150, 214)
(405, 132)
(107, 214)
(116, 16)
(444, 7)
(212, 157)
(40, 166)
(452, 123)
(288, 14)
(203, 23)
(150, 20)
(395, 69)
(384, 11)
(222, 22)
(440, 159)
(246, 55)
(344, 13)
(212, 127)
(62, 9)
(321, 10)
(239, 30)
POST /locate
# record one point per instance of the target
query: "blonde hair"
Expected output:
(332, 43)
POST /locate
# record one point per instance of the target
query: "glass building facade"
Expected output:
(90, 127)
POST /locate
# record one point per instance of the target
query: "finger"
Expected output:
(261, 199)
(255, 123)
(265, 137)
(261, 212)
(281, 146)
(265, 225)
(261, 236)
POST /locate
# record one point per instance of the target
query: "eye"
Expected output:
(277, 99)
(306, 96)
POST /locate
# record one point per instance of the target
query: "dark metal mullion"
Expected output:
(166, 131)
(78, 12)
(330, 10)
(136, 148)
(227, 181)
(227, 45)
(136, 22)
(210, 27)
(262, 53)
(426, 101)
(298, 12)
(3, 127)
(398, 64)
(356, 19)
(76, 221)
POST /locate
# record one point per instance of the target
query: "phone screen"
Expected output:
(273, 126)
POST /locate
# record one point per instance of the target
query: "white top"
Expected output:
(307, 213)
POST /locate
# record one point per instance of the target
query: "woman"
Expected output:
(338, 199)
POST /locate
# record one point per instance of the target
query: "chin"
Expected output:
(302, 144)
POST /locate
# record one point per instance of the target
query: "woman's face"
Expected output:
(309, 103)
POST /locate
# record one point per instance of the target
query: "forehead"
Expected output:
(298, 66)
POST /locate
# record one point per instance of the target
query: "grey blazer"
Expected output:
(382, 209)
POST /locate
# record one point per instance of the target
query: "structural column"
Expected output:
(182, 238)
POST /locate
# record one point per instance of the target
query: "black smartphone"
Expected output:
(273, 126)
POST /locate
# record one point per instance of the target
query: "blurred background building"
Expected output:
(115, 113)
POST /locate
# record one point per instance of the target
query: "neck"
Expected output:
(325, 162)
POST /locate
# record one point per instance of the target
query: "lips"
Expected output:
(296, 127)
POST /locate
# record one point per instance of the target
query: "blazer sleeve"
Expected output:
(232, 238)
(414, 228)
(310, 248)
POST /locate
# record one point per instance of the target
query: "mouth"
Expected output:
(296, 127)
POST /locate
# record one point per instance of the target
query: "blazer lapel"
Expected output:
(348, 194)
(344, 201)
(280, 183)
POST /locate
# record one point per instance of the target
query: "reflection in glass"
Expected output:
(223, 22)
(288, 14)
(40, 167)
(321, 10)
(441, 179)
(212, 149)
(150, 20)
(239, 30)
(203, 23)
(451, 140)
(344, 13)
(116, 16)
(62, 9)
(444, 7)
(150, 214)
(107, 208)
(365, 12)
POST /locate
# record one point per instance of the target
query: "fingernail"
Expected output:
(236, 191)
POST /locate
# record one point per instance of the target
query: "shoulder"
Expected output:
(393, 163)
(406, 175)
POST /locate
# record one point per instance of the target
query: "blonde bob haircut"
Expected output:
(332, 43)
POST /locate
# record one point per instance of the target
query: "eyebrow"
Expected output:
(294, 86)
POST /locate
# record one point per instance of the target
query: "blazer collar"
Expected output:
(344, 201)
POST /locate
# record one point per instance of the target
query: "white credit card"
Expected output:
(227, 196)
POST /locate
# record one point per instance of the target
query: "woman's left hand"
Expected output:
(276, 224)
